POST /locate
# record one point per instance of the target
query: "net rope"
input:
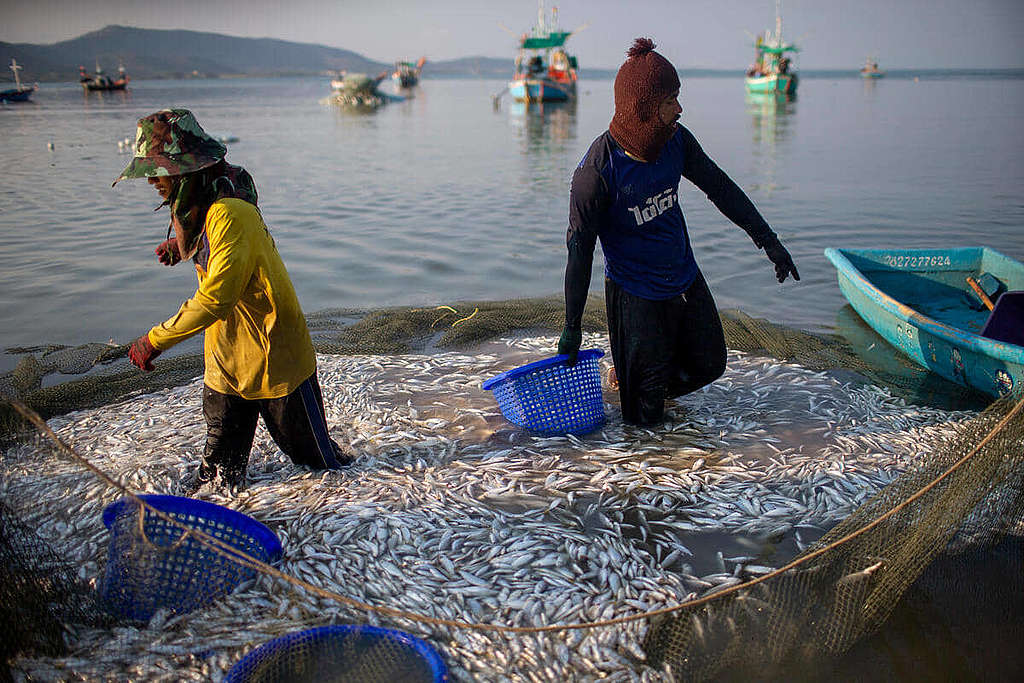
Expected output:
(968, 493)
(229, 552)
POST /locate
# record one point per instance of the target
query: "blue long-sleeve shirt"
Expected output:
(633, 208)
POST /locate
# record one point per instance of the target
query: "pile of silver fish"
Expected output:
(453, 514)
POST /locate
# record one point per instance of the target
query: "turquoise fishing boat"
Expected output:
(871, 70)
(932, 304)
(772, 70)
(544, 70)
(407, 74)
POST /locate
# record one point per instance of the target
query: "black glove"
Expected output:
(783, 261)
(569, 344)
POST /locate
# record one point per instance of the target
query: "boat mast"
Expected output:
(15, 67)
(778, 22)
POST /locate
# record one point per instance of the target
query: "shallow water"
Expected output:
(675, 511)
(442, 197)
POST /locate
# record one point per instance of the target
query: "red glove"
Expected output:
(142, 353)
(167, 252)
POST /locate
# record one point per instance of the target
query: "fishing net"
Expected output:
(43, 598)
(969, 495)
(806, 516)
(107, 377)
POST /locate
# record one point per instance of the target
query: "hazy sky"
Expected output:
(691, 33)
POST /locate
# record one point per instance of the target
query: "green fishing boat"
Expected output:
(871, 70)
(544, 69)
(772, 70)
(359, 90)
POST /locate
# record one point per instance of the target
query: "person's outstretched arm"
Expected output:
(734, 204)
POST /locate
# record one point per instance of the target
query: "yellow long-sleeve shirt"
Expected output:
(256, 343)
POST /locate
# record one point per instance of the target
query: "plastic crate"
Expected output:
(549, 397)
(164, 570)
(343, 652)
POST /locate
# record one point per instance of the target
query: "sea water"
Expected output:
(443, 196)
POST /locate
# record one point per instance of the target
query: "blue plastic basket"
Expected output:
(343, 652)
(549, 397)
(165, 570)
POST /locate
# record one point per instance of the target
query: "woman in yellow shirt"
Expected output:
(259, 359)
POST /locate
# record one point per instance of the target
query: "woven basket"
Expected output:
(549, 397)
(343, 652)
(155, 565)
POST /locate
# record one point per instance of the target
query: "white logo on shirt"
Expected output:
(654, 206)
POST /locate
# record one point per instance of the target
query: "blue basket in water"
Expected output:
(343, 652)
(154, 565)
(549, 397)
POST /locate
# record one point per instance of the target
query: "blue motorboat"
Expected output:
(933, 305)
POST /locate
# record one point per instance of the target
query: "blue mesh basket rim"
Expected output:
(422, 648)
(538, 365)
(201, 508)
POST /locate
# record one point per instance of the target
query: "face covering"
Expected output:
(193, 195)
(644, 80)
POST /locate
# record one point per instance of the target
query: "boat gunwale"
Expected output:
(1003, 351)
(784, 84)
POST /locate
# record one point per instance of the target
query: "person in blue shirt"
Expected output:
(665, 334)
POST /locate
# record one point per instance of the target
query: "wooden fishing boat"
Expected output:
(407, 74)
(19, 93)
(871, 70)
(544, 70)
(772, 70)
(359, 90)
(99, 81)
(932, 304)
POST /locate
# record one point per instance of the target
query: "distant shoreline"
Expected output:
(606, 74)
(165, 54)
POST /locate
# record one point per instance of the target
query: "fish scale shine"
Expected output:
(445, 513)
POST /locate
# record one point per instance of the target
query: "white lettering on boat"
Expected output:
(908, 261)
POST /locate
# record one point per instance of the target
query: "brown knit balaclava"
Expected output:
(643, 81)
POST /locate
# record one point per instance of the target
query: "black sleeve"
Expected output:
(588, 203)
(734, 204)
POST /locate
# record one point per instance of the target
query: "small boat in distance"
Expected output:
(934, 306)
(772, 71)
(100, 81)
(407, 74)
(358, 90)
(544, 71)
(19, 93)
(870, 69)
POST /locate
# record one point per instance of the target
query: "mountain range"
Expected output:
(152, 53)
